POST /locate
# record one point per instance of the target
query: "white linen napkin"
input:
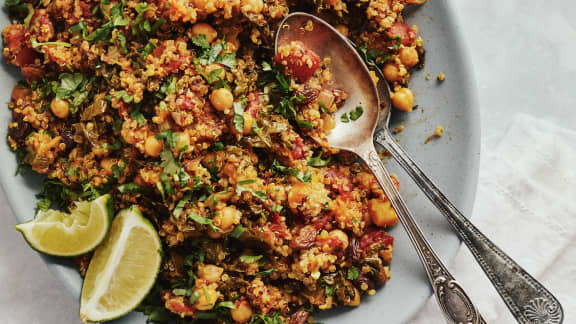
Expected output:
(526, 203)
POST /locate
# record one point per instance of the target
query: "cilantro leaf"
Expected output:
(316, 161)
(180, 205)
(352, 273)
(203, 221)
(238, 119)
(238, 231)
(344, 118)
(69, 83)
(356, 113)
(200, 41)
(170, 165)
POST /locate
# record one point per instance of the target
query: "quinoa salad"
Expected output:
(182, 108)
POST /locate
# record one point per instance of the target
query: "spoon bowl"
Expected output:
(345, 61)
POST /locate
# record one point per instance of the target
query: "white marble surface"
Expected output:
(523, 55)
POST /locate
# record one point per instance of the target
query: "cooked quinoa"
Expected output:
(181, 108)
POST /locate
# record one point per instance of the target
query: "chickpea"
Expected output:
(253, 6)
(340, 236)
(204, 29)
(391, 72)
(153, 146)
(403, 99)
(227, 218)
(386, 255)
(382, 213)
(342, 29)
(297, 194)
(248, 123)
(107, 165)
(210, 272)
(242, 313)
(183, 141)
(329, 122)
(207, 299)
(60, 108)
(409, 56)
(20, 93)
(213, 67)
(222, 99)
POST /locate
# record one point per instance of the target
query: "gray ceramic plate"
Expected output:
(452, 161)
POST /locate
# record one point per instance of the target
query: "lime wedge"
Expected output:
(122, 270)
(70, 234)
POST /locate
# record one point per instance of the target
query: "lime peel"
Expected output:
(123, 269)
(71, 234)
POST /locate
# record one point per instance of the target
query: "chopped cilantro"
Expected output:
(250, 258)
(218, 146)
(266, 273)
(170, 137)
(180, 205)
(238, 119)
(203, 221)
(225, 304)
(316, 161)
(245, 182)
(130, 188)
(138, 116)
(352, 273)
(124, 96)
(200, 41)
(304, 124)
(344, 118)
(148, 48)
(238, 231)
(356, 113)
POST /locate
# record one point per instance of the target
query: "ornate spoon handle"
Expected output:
(528, 300)
(453, 300)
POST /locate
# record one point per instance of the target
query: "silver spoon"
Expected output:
(520, 291)
(352, 76)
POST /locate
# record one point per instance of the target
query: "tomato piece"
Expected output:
(404, 31)
(26, 56)
(32, 73)
(300, 61)
(86, 10)
(375, 235)
(253, 105)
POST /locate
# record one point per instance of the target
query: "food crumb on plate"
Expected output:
(398, 129)
(437, 133)
(441, 77)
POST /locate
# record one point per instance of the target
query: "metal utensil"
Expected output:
(528, 300)
(352, 76)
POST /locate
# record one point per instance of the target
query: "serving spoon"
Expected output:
(354, 78)
(528, 300)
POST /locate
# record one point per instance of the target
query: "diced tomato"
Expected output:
(186, 103)
(301, 62)
(253, 105)
(157, 52)
(41, 26)
(375, 235)
(404, 31)
(298, 150)
(86, 10)
(32, 73)
(26, 56)
(14, 36)
(339, 182)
